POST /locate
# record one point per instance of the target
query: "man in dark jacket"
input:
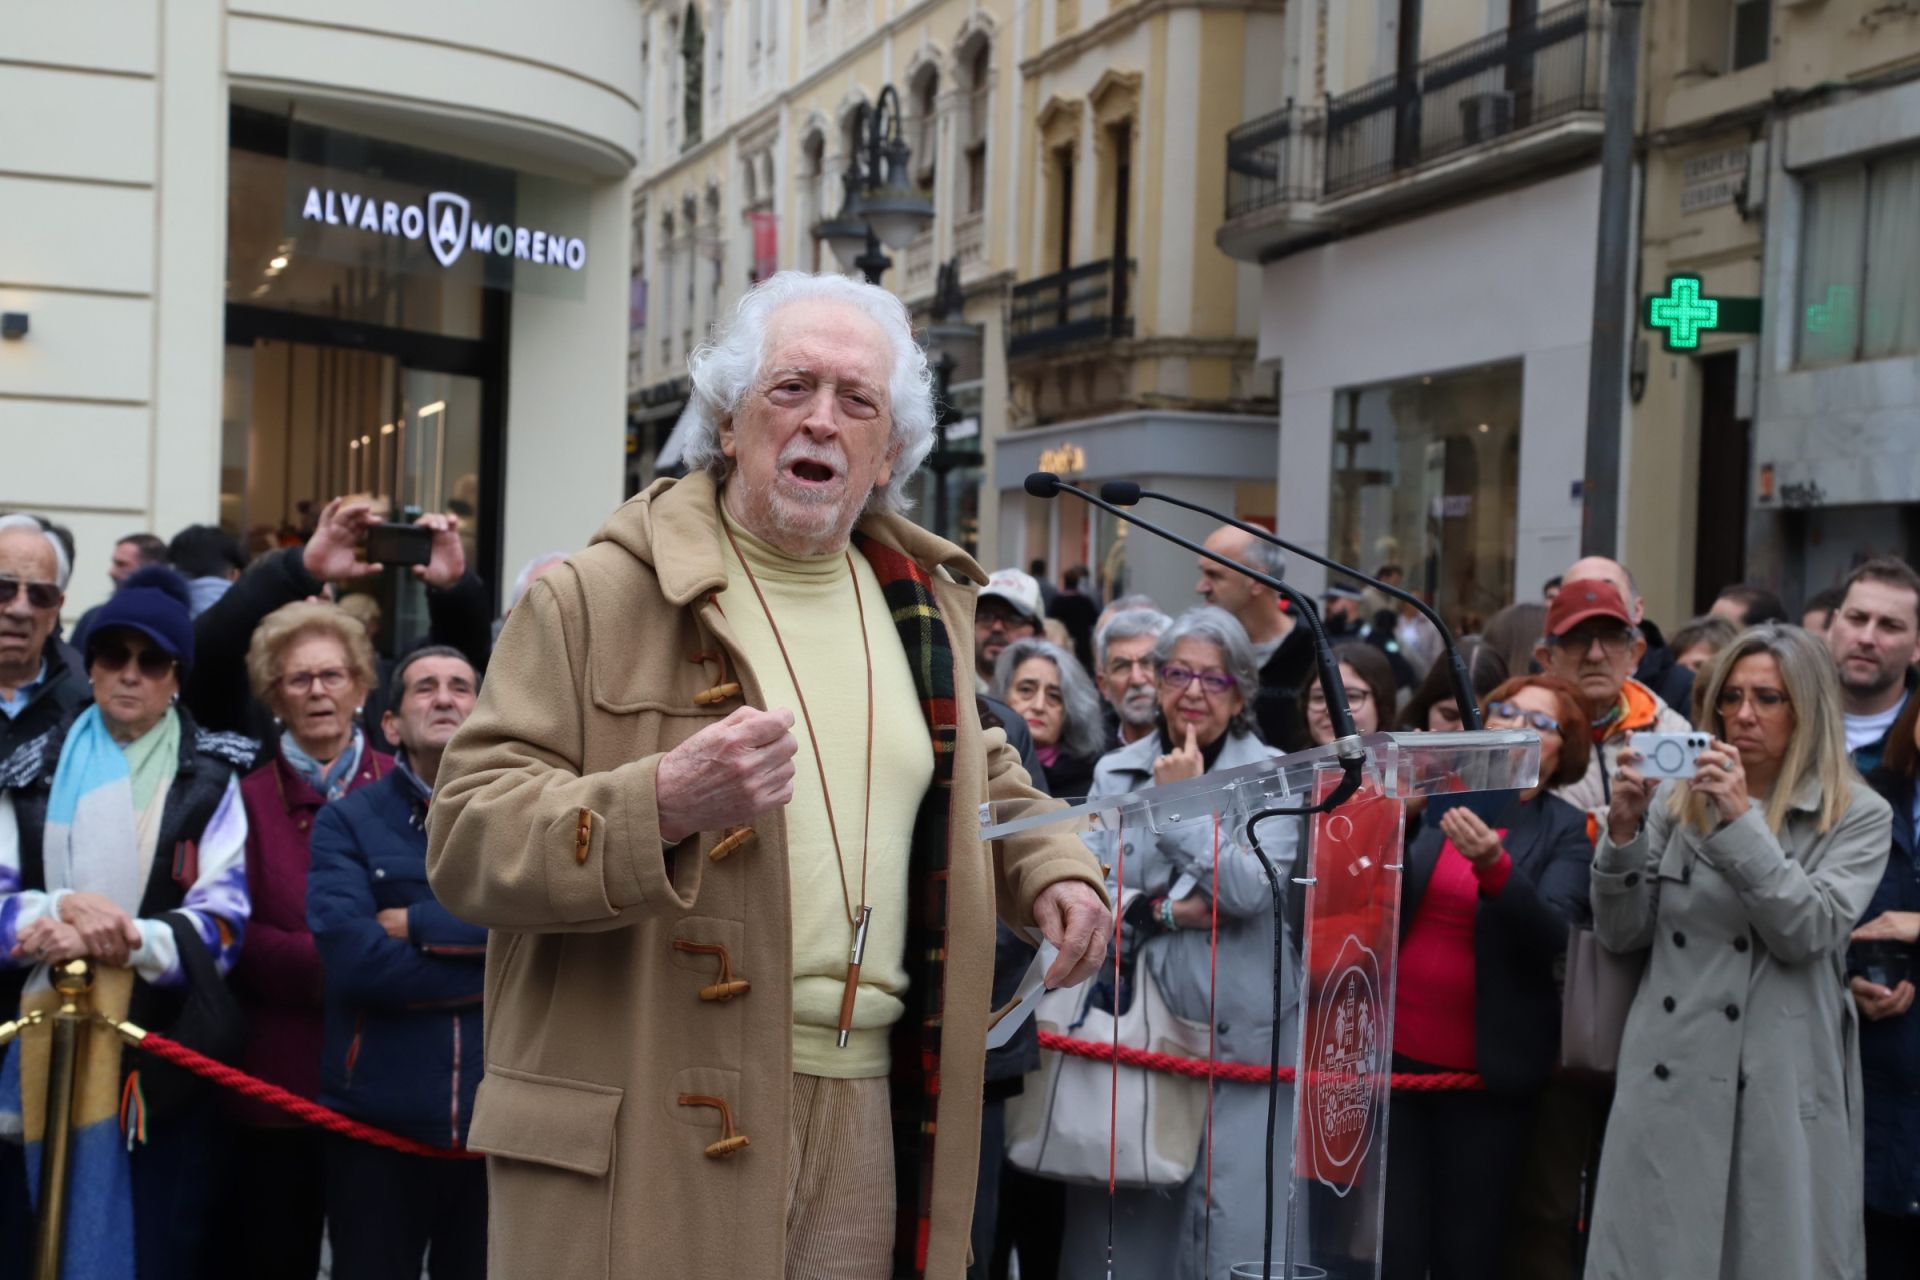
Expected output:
(404, 981)
(39, 683)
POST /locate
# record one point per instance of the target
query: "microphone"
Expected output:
(1126, 493)
(1044, 484)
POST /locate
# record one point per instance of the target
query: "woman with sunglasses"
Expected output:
(1484, 911)
(122, 844)
(1734, 1146)
(1206, 677)
(311, 664)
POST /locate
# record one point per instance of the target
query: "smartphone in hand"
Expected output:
(399, 544)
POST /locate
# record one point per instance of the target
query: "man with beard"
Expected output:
(1282, 648)
(403, 988)
(38, 684)
(1872, 639)
(1124, 665)
(720, 804)
(1007, 609)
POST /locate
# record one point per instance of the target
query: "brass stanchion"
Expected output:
(73, 981)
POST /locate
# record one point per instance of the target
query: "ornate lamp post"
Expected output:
(949, 340)
(879, 206)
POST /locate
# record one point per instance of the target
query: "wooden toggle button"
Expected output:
(731, 841)
(728, 986)
(730, 1142)
(583, 836)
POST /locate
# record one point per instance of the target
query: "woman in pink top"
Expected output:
(1484, 913)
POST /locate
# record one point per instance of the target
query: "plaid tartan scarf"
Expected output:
(916, 1037)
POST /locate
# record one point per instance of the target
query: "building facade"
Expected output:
(272, 251)
(1420, 190)
(1054, 140)
(1782, 141)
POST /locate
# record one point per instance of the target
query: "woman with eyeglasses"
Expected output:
(121, 843)
(311, 664)
(1485, 906)
(1734, 1146)
(1371, 693)
(1206, 678)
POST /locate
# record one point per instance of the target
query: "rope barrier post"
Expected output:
(74, 981)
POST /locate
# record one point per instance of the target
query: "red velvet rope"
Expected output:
(291, 1103)
(1237, 1072)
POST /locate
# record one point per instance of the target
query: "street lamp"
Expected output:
(950, 341)
(879, 205)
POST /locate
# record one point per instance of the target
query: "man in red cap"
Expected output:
(1592, 643)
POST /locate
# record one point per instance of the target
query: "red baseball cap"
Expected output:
(1582, 599)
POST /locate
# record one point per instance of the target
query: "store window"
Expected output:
(1860, 262)
(1426, 474)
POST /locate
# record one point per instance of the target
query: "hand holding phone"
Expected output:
(399, 544)
(1669, 755)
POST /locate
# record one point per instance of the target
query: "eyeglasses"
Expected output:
(1005, 618)
(1180, 677)
(112, 655)
(1356, 698)
(1765, 701)
(1614, 641)
(333, 680)
(1513, 711)
(41, 595)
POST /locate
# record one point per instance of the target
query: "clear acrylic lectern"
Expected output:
(1342, 904)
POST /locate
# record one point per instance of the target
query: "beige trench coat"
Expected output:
(1734, 1147)
(544, 830)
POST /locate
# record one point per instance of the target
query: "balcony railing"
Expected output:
(1089, 303)
(1264, 162)
(1527, 75)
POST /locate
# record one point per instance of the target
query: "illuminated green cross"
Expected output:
(1683, 313)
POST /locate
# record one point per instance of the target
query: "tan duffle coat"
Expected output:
(544, 830)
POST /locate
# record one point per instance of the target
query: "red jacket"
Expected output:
(278, 976)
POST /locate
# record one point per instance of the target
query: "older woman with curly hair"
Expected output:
(311, 664)
(1046, 684)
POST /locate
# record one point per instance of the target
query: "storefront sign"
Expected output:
(448, 225)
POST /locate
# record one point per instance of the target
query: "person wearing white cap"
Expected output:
(1009, 609)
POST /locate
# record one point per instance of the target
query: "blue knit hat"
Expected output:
(157, 603)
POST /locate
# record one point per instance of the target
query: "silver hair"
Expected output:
(1128, 624)
(531, 570)
(1221, 629)
(726, 367)
(1083, 730)
(63, 570)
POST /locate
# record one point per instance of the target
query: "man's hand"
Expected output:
(449, 562)
(1877, 1002)
(1073, 918)
(49, 941)
(1181, 764)
(333, 552)
(394, 921)
(106, 931)
(726, 775)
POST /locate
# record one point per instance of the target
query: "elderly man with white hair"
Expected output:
(719, 802)
(39, 685)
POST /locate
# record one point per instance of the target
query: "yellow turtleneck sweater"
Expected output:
(812, 601)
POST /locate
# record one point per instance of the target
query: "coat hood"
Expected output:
(684, 514)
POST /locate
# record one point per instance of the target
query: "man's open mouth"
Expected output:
(808, 471)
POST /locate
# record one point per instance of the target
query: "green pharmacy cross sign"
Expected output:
(1683, 313)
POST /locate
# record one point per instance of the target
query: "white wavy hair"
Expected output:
(726, 366)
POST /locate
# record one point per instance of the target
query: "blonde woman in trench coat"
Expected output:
(1734, 1146)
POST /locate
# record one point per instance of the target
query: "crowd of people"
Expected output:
(1768, 1085)
(216, 787)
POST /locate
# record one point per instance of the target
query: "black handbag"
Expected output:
(204, 1015)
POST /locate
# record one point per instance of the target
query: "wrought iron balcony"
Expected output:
(1088, 303)
(1267, 162)
(1513, 80)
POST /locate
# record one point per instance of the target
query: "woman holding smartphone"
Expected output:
(1734, 1145)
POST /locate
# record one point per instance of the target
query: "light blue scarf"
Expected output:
(331, 780)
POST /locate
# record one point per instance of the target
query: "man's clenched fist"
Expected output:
(727, 774)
